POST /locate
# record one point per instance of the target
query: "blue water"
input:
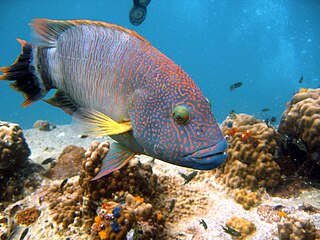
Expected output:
(267, 45)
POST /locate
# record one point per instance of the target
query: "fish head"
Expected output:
(180, 128)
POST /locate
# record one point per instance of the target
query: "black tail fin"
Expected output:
(23, 73)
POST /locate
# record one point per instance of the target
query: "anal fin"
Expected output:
(117, 157)
(63, 101)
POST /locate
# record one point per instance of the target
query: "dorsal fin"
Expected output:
(50, 30)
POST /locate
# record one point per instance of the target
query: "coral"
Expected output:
(16, 171)
(135, 178)
(114, 220)
(69, 163)
(28, 216)
(300, 123)
(252, 154)
(111, 225)
(302, 118)
(43, 125)
(247, 198)
(7, 227)
(295, 228)
(74, 201)
(241, 225)
(64, 203)
(14, 150)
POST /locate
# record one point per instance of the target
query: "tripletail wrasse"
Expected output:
(117, 83)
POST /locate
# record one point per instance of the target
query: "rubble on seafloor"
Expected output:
(260, 192)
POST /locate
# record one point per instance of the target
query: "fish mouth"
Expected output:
(209, 158)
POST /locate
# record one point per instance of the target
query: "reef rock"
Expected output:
(69, 163)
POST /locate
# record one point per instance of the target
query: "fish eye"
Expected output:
(181, 114)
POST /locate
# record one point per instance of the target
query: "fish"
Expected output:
(48, 160)
(63, 183)
(172, 204)
(138, 12)
(231, 231)
(24, 233)
(203, 223)
(235, 86)
(301, 79)
(115, 82)
(265, 109)
(188, 177)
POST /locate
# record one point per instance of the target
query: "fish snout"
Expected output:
(209, 158)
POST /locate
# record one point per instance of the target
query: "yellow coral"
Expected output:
(251, 162)
(302, 118)
(242, 226)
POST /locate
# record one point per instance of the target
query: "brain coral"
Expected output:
(252, 156)
(13, 148)
(296, 228)
(300, 124)
(302, 118)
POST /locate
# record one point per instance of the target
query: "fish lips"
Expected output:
(209, 158)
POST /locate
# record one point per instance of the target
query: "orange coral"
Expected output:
(139, 199)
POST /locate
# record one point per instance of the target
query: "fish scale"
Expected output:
(116, 82)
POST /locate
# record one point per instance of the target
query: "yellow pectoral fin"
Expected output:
(101, 124)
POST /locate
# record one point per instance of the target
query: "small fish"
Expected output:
(235, 86)
(111, 79)
(230, 124)
(273, 119)
(24, 233)
(245, 135)
(172, 204)
(233, 114)
(248, 160)
(188, 177)
(203, 223)
(231, 231)
(48, 160)
(63, 183)
(282, 214)
(265, 109)
(82, 136)
(278, 207)
(301, 79)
